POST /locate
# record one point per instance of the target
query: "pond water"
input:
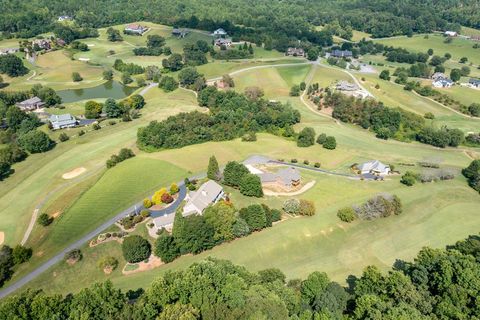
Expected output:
(110, 89)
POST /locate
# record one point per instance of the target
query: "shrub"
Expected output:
(44, 220)
(330, 143)
(251, 186)
(409, 178)
(317, 165)
(147, 203)
(96, 126)
(21, 254)
(145, 213)
(174, 188)
(157, 196)
(346, 214)
(249, 137)
(322, 137)
(294, 161)
(112, 122)
(382, 205)
(307, 208)
(429, 115)
(167, 198)
(35, 141)
(76, 77)
(306, 137)
(168, 84)
(240, 228)
(306, 162)
(108, 263)
(63, 137)
(291, 206)
(81, 133)
(135, 249)
(73, 255)
(165, 248)
(255, 216)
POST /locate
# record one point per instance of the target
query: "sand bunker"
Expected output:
(84, 59)
(74, 173)
(2, 237)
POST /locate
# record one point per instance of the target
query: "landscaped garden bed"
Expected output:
(108, 236)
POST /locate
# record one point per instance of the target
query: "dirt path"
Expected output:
(294, 193)
(30, 227)
(32, 76)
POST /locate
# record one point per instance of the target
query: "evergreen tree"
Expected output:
(213, 172)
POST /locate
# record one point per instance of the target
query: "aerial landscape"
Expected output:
(175, 159)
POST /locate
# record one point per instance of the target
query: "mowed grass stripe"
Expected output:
(118, 188)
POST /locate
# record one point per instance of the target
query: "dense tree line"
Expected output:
(438, 284)
(275, 23)
(390, 122)
(231, 115)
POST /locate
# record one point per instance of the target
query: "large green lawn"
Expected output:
(458, 48)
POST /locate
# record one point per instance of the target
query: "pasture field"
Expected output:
(458, 48)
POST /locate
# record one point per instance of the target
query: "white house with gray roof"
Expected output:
(373, 167)
(209, 193)
(62, 121)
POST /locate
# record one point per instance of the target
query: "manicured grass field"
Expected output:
(301, 245)
(458, 48)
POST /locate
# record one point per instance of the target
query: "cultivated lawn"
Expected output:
(458, 48)
(301, 245)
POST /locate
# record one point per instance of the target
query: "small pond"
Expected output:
(110, 89)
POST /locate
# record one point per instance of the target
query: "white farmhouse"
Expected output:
(374, 167)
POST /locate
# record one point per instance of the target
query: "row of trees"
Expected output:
(231, 115)
(219, 223)
(9, 258)
(113, 109)
(390, 122)
(379, 206)
(438, 284)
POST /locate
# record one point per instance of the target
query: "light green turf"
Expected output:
(458, 48)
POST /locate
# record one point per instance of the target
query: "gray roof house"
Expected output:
(165, 221)
(136, 28)
(181, 33)
(219, 32)
(62, 121)
(373, 167)
(31, 104)
(438, 76)
(443, 83)
(209, 193)
(288, 177)
(474, 82)
(341, 53)
(346, 86)
(295, 52)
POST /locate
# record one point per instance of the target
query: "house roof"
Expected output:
(438, 76)
(164, 220)
(205, 195)
(346, 86)
(220, 31)
(373, 165)
(286, 175)
(62, 118)
(135, 27)
(31, 101)
(342, 53)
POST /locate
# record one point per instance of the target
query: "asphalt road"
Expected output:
(80, 242)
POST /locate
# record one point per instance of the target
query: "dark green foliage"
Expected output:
(385, 75)
(194, 54)
(240, 228)
(188, 76)
(213, 171)
(322, 137)
(472, 173)
(251, 186)
(135, 249)
(136, 101)
(231, 115)
(48, 95)
(113, 35)
(474, 109)
(63, 137)
(330, 143)
(346, 214)
(306, 137)
(21, 254)
(123, 155)
(165, 248)
(193, 234)
(455, 75)
(73, 255)
(295, 91)
(409, 178)
(168, 84)
(77, 45)
(173, 63)
(255, 217)
(44, 220)
(126, 78)
(69, 33)
(112, 109)
(437, 284)
(129, 68)
(234, 173)
(12, 66)
(36, 141)
(93, 109)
